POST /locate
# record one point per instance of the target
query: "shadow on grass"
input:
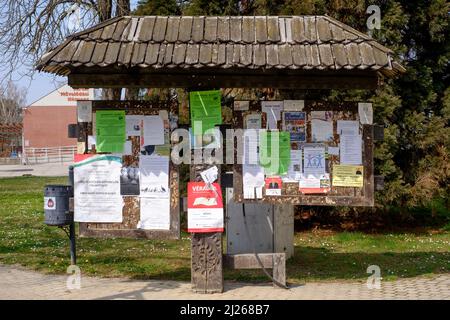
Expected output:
(325, 264)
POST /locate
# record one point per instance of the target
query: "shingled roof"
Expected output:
(261, 42)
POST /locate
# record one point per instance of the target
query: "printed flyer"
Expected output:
(205, 208)
(97, 188)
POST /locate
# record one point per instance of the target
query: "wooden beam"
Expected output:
(206, 250)
(232, 80)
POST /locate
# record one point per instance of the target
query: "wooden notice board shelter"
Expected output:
(289, 52)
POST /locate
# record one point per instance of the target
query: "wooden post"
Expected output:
(206, 252)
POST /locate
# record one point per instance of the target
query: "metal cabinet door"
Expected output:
(260, 226)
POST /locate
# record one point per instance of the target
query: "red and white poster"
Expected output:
(205, 208)
(273, 186)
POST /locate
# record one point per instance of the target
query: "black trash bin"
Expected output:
(56, 205)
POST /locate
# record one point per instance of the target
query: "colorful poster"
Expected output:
(206, 110)
(273, 110)
(97, 188)
(273, 186)
(348, 176)
(294, 123)
(110, 130)
(274, 152)
(315, 183)
(154, 214)
(205, 208)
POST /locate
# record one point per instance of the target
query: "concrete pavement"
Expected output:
(41, 170)
(18, 283)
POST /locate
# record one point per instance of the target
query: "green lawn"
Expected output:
(319, 255)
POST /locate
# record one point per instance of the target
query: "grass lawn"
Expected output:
(319, 255)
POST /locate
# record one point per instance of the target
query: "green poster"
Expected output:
(206, 109)
(110, 130)
(275, 152)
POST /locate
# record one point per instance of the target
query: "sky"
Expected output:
(40, 84)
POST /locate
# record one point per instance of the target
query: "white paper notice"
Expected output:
(92, 141)
(133, 125)
(310, 181)
(155, 214)
(210, 175)
(154, 176)
(333, 151)
(295, 167)
(127, 148)
(84, 111)
(293, 105)
(347, 127)
(273, 110)
(351, 146)
(153, 130)
(253, 121)
(253, 176)
(97, 189)
(249, 193)
(251, 142)
(314, 160)
(241, 105)
(365, 112)
(321, 130)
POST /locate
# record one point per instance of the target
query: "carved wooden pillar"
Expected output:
(206, 251)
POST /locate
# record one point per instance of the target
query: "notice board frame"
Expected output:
(131, 209)
(339, 196)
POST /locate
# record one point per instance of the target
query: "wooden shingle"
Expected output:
(261, 29)
(192, 53)
(185, 29)
(151, 55)
(198, 29)
(146, 30)
(211, 29)
(173, 25)
(205, 55)
(248, 29)
(179, 53)
(273, 31)
(223, 29)
(236, 29)
(159, 31)
(252, 42)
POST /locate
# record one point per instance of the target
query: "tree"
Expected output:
(158, 7)
(12, 100)
(28, 29)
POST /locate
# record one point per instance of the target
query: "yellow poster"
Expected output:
(348, 176)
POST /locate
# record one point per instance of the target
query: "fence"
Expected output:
(46, 155)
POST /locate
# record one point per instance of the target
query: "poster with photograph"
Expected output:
(294, 122)
(129, 181)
